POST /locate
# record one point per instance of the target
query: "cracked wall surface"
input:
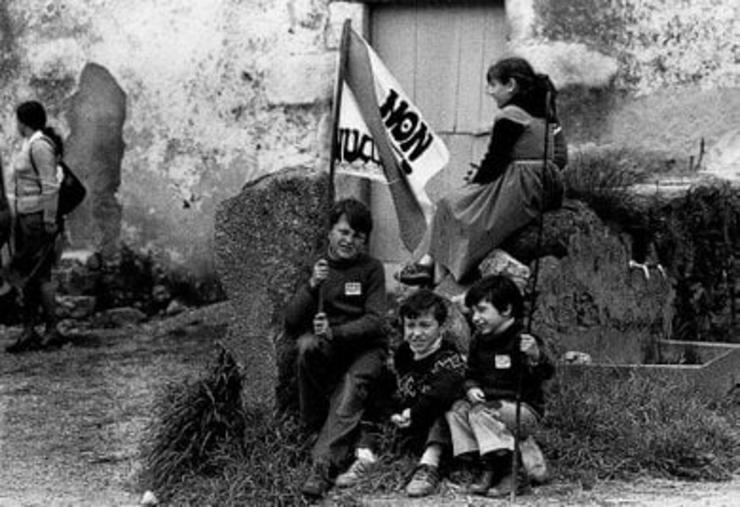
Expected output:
(219, 93)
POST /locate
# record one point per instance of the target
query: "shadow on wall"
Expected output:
(96, 113)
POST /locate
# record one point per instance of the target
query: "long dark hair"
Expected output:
(33, 115)
(532, 88)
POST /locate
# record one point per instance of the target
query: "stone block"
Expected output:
(300, 79)
(499, 262)
(94, 151)
(124, 316)
(590, 301)
(75, 307)
(558, 226)
(265, 240)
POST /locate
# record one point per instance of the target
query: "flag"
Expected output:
(380, 134)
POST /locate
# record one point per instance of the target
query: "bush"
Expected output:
(193, 423)
(610, 425)
(601, 425)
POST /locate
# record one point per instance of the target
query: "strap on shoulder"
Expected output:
(515, 114)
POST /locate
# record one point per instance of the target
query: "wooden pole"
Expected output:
(530, 317)
(337, 104)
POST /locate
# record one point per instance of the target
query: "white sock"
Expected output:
(365, 454)
(431, 455)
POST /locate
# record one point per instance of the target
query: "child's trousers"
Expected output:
(487, 427)
(333, 393)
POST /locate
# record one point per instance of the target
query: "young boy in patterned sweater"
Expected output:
(430, 373)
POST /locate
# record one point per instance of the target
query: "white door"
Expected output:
(440, 54)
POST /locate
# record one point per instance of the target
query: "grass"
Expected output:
(611, 425)
(599, 426)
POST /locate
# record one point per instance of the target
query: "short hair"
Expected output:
(498, 290)
(421, 302)
(31, 114)
(358, 216)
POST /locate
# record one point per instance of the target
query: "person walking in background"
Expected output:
(508, 189)
(34, 192)
(337, 320)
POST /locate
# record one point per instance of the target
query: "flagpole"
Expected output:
(336, 105)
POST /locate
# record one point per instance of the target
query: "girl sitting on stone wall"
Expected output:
(508, 189)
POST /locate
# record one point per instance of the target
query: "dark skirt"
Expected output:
(35, 249)
(475, 219)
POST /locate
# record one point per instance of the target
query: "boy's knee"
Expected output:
(458, 412)
(353, 396)
(307, 344)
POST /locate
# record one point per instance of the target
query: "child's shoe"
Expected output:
(27, 341)
(533, 460)
(318, 482)
(483, 483)
(355, 473)
(506, 485)
(424, 482)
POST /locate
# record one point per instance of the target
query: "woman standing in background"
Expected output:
(35, 180)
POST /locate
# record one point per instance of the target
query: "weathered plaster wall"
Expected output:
(655, 74)
(219, 92)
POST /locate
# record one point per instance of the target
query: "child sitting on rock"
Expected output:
(430, 373)
(336, 317)
(483, 423)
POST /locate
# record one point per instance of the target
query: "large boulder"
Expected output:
(557, 228)
(588, 299)
(265, 240)
(591, 301)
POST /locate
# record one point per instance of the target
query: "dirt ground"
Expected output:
(71, 420)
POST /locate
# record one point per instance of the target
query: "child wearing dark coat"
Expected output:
(336, 317)
(483, 423)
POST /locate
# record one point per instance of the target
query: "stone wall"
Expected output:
(657, 75)
(219, 93)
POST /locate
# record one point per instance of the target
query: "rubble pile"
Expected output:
(126, 289)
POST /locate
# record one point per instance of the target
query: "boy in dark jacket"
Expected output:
(337, 318)
(483, 423)
(430, 373)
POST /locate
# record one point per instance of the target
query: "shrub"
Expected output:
(601, 425)
(194, 421)
(607, 425)
(697, 238)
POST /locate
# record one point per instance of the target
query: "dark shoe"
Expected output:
(506, 485)
(416, 274)
(52, 340)
(28, 340)
(318, 482)
(424, 482)
(483, 483)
